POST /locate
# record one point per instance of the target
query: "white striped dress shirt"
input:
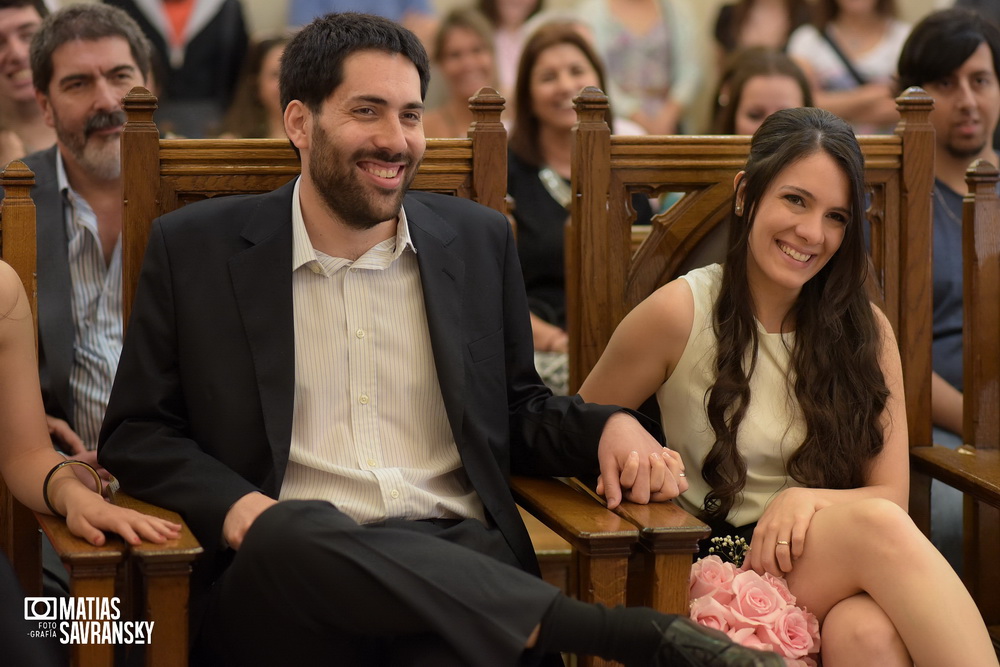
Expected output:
(369, 431)
(97, 312)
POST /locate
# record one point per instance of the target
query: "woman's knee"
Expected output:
(882, 526)
(857, 632)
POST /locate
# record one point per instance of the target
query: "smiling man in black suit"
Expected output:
(332, 382)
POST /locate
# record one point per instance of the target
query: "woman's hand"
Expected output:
(88, 515)
(780, 535)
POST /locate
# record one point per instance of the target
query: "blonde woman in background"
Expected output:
(463, 53)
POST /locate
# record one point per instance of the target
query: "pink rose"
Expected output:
(792, 633)
(781, 586)
(755, 601)
(800, 662)
(707, 611)
(747, 637)
(711, 576)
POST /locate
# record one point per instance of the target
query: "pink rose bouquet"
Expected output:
(757, 611)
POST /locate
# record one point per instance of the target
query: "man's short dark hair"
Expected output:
(313, 63)
(88, 22)
(941, 42)
(39, 5)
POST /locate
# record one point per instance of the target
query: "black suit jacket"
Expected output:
(201, 411)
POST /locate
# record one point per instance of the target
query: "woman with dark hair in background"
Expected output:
(556, 64)
(849, 55)
(749, 23)
(256, 109)
(463, 53)
(755, 83)
(779, 383)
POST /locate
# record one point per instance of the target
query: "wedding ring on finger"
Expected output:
(681, 474)
(783, 543)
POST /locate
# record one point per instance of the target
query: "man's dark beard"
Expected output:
(964, 154)
(341, 189)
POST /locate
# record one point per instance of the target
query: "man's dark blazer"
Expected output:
(55, 291)
(201, 410)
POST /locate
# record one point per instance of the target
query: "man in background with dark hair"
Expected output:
(84, 59)
(332, 383)
(954, 55)
(19, 110)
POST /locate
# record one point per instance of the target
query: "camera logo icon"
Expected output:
(40, 609)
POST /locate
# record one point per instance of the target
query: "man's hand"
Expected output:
(633, 461)
(64, 437)
(241, 516)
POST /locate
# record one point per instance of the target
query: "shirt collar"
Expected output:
(62, 180)
(303, 252)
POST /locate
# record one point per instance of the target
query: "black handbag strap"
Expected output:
(840, 54)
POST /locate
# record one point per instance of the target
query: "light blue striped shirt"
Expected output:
(97, 312)
(369, 431)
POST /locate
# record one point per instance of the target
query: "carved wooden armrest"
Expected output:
(659, 570)
(602, 540)
(159, 589)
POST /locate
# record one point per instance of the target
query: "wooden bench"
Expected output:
(974, 468)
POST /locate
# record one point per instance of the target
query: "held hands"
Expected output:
(241, 516)
(780, 535)
(633, 461)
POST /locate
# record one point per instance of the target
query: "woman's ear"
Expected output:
(739, 188)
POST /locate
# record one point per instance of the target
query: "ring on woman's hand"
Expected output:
(680, 474)
(782, 542)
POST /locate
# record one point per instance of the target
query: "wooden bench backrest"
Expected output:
(18, 528)
(981, 328)
(606, 278)
(160, 175)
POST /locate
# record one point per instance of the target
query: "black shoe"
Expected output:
(687, 644)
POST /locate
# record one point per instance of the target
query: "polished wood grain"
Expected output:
(974, 468)
(18, 528)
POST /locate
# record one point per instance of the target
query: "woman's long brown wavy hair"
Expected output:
(837, 377)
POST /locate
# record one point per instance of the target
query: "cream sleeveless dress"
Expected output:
(772, 429)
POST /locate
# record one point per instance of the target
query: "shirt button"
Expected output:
(372, 463)
(360, 333)
(394, 493)
(364, 399)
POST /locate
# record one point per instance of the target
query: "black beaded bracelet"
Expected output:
(67, 462)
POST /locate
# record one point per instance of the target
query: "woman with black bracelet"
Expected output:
(41, 478)
(35, 473)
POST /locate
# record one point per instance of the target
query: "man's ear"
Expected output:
(298, 124)
(46, 106)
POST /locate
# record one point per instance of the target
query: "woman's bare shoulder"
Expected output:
(11, 291)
